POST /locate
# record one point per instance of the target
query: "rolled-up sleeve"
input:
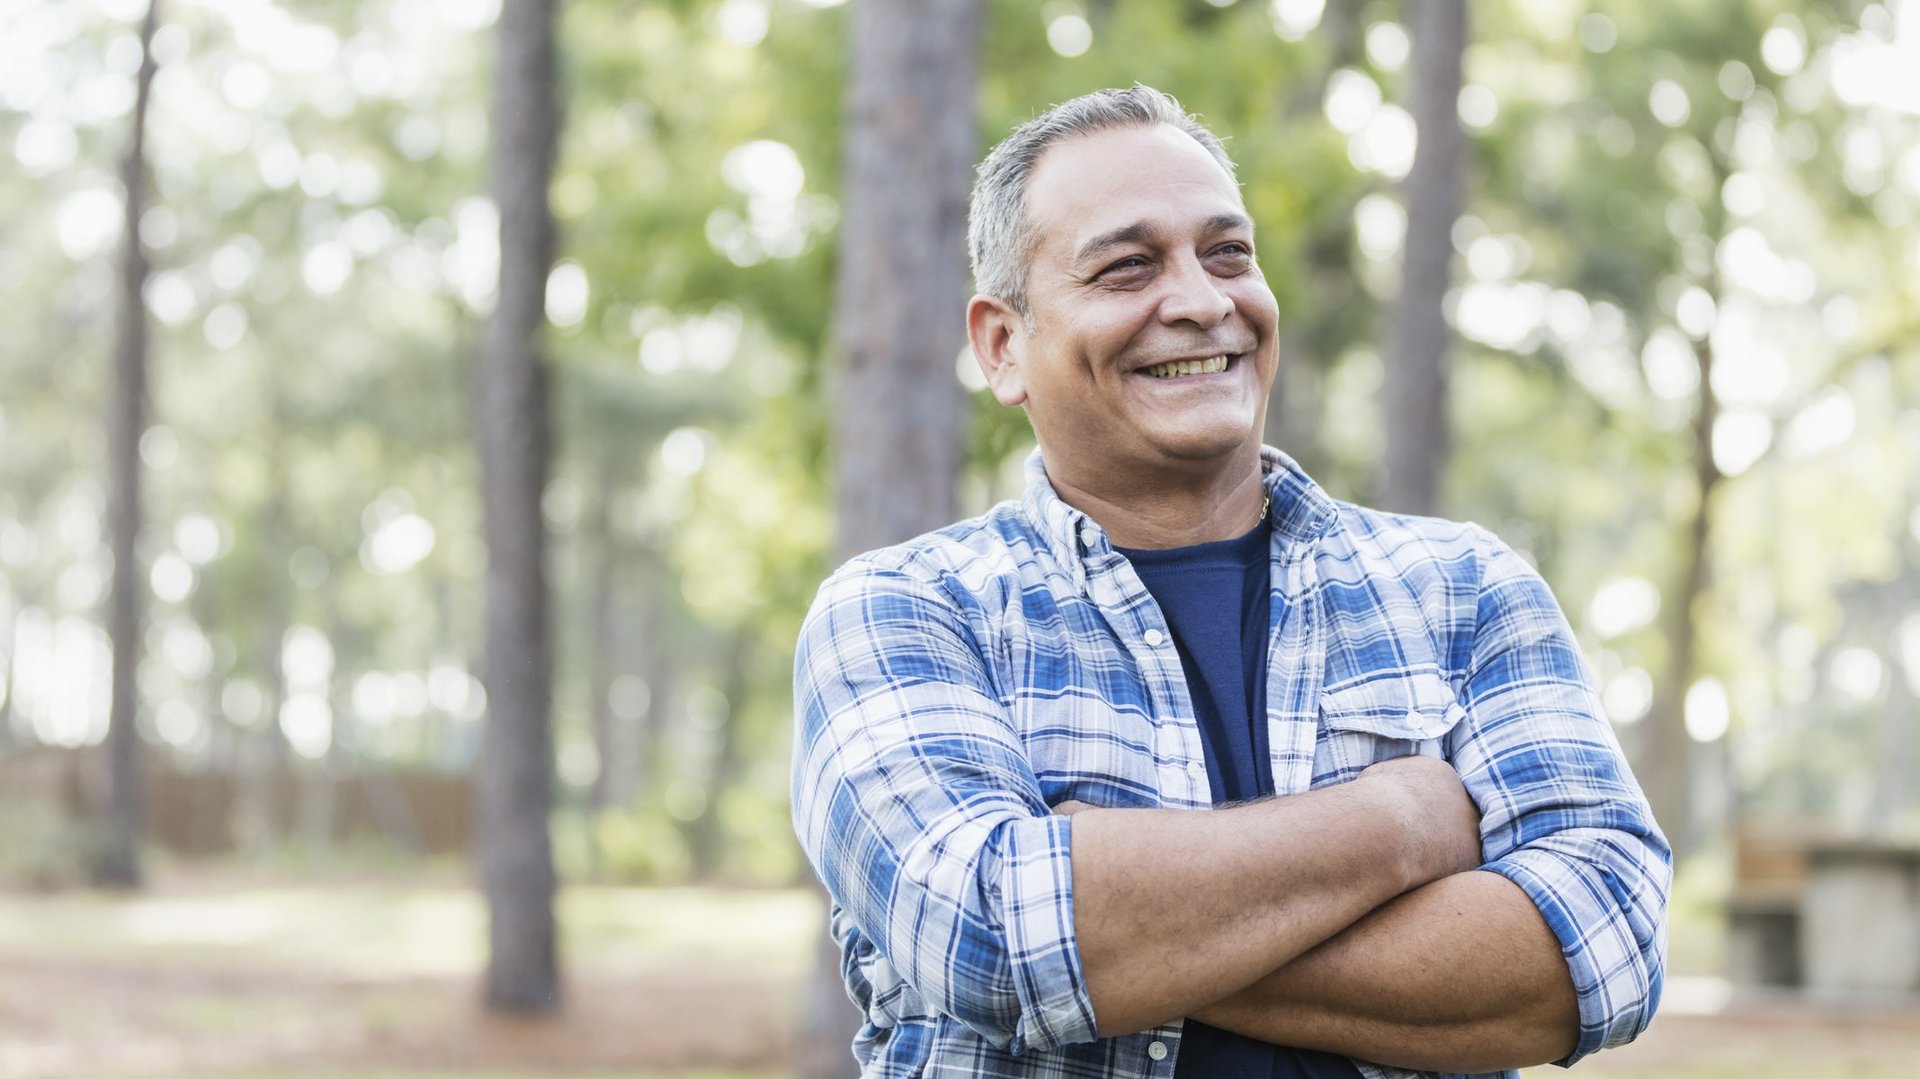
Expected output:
(917, 806)
(1561, 814)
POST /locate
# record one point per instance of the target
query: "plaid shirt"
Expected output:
(950, 689)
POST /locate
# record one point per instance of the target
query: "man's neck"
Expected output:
(1180, 511)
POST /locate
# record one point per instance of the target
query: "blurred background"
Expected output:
(292, 783)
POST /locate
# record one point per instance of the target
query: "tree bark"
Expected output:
(515, 771)
(899, 410)
(1416, 391)
(119, 864)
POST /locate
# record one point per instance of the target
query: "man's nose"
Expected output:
(1194, 295)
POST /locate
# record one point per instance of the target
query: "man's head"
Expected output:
(1120, 302)
(999, 235)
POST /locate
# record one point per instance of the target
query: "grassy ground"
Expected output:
(377, 978)
(400, 929)
(248, 979)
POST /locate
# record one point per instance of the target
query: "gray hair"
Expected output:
(999, 238)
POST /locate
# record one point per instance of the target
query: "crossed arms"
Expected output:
(1351, 918)
(1344, 919)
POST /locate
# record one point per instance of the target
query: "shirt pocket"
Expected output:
(1367, 721)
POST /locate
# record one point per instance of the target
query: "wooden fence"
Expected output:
(209, 812)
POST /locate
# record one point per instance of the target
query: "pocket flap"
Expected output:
(1415, 705)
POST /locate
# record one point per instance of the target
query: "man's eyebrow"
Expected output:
(1126, 234)
(1229, 223)
(1141, 231)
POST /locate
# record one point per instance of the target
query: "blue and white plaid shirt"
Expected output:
(950, 689)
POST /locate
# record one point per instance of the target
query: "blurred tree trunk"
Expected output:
(899, 410)
(205, 614)
(515, 771)
(706, 833)
(597, 537)
(9, 667)
(1666, 765)
(1896, 768)
(1416, 389)
(261, 761)
(119, 864)
(321, 780)
(659, 669)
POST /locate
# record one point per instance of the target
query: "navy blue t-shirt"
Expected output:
(1217, 601)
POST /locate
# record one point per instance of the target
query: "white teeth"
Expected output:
(1188, 367)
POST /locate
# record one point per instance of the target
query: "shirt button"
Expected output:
(1090, 537)
(1157, 1050)
(1153, 637)
(1196, 769)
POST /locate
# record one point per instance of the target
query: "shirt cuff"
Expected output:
(1037, 905)
(1617, 984)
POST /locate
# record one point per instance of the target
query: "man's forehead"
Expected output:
(1153, 177)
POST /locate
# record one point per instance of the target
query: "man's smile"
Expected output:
(1212, 365)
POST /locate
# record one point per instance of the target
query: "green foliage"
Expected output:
(46, 850)
(621, 847)
(322, 258)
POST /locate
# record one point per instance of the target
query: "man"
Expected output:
(1177, 766)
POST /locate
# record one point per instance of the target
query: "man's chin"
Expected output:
(1213, 445)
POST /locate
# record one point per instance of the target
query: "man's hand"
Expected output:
(1458, 974)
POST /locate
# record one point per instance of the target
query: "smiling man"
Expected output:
(1177, 766)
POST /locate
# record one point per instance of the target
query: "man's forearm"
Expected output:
(1460, 975)
(1176, 909)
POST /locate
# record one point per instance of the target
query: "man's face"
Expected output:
(1153, 338)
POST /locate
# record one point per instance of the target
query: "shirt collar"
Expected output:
(1301, 509)
(1067, 531)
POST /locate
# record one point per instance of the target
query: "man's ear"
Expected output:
(999, 337)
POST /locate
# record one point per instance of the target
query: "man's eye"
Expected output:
(1131, 262)
(1231, 257)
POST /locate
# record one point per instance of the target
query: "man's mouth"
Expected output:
(1178, 368)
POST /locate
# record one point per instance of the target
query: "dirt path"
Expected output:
(67, 1020)
(327, 982)
(1772, 1040)
(94, 1021)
